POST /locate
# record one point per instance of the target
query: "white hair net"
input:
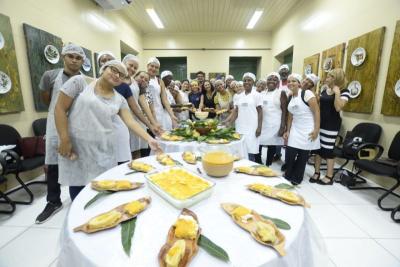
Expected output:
(296, 76)
(129, 57)
(273, 74)
(115, 63)
(71, 48)
(249, 75)
(284, 66)
(230, 77)
(166, 73)
(314, 78)
(153, 60)
(102, 53)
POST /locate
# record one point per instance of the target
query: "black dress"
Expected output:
(210, 103)
(330, 122)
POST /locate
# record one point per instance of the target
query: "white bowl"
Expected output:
(201, 115)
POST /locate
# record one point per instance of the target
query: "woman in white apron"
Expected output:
(162, 110)
(274, 102)
(248, 115)
(302, 129)
(85, 124)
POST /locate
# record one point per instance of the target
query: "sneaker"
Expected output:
(49, 210)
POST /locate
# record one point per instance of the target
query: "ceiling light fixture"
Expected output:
(154, 17)
(256, 16)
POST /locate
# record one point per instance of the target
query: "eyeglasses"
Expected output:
(115, 71)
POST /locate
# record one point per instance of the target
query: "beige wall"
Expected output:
(343, 20)
(210, 60)
(69, 20)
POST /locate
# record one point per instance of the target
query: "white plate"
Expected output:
(1, 41)
(51, 54)
(5, 83)
(308, 69)
(358, 56)
(355, 89)
(177, 203)
(328, 64)
(397, 88)
(86, 66)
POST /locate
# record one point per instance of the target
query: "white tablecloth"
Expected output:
(235, 147)
(304, 245)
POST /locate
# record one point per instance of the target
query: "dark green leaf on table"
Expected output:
(127, 231)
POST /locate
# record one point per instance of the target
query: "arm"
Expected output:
(316, 114)
(233, 116)
(138, 112)
(284, 103)
(201, 105)
(339, 103)
(288, 126)
(260, 118)
(126, 116)
(46, 97)
(63, 105)
(149, 111)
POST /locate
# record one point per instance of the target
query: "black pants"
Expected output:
(74, 191)
(53, 187)
(271, 150)
(296, 160)
(145, 152)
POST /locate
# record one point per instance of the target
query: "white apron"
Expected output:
(272, 114)
(247, 120)
(302, 125)
(122, 143)
(162, 115)
(51, 156)
(92, 134)
(136, 143)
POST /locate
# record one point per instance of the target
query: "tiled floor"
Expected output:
(357, 233)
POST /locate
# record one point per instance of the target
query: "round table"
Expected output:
(237, 147)
(304, 246)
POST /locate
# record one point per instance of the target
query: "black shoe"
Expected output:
(316, 179)
(277, 157)
(327, 180)
(49, 210)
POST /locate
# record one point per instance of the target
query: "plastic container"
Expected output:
(178, 203)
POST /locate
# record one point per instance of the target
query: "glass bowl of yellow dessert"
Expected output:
(217, 163)
(180, 187)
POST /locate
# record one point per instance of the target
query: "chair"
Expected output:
(39, 127)
(389, 167)
(370, 134)
(12, 162)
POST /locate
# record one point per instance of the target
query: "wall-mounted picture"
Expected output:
(328, 64)
(355, 89)
(51, 54)
(358, 56)
(397, 88)
(5, 83)
(308, 69)
(87, 68)
(216, 75)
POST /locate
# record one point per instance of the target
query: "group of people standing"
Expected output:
(95, 124)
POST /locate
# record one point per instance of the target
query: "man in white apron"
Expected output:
(50, 85)
(247, 115)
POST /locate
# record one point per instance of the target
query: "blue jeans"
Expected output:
(74, 191)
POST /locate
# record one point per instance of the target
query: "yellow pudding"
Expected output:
(267, 189)
(179, 183)
(175, 253)
(189, 157)
(104, 220)
(266, 232)
(123, 184)
(242, 214)
(169, 137)
(186, 227)
(288, 196)
(141, 167)
(217, 163)
(134, 207)
(165, 159)
(106, 184)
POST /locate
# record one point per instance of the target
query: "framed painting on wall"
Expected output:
(87, 66)
(44, 53)
(331, 58)
(10, 88)
(311, 64)
(216, 75)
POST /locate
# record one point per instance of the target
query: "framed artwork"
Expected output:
(216, 75)
(11, 100)
(44, 53)
(87, 66)
(311, 64)
(331, 58)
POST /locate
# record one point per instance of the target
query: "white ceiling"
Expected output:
(208, 15)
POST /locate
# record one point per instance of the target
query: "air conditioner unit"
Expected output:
(113, 4)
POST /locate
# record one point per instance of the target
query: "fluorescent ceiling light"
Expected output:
(256, 16)
(154, 17)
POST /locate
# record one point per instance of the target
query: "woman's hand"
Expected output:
(154, 145)
(258, 132)
(281, 131)
(65, 149)
(286, 135)
(336, 89)
(313, 135)
(174, 122)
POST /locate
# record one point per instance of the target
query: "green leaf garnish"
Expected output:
(212, 248)
(278, 222)
(97, 196)
(127, 231)
(285, 186)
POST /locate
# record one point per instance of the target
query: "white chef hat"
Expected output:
(71, 48)
(284, 66)
(153, 60)
(129, 57)
(230, 77)
(102, 53)
(273, 74)
(249, 75)
(314, 78)
(115, 63)
(296, 76)
(166, 73)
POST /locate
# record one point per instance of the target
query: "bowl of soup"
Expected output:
(217, 163)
